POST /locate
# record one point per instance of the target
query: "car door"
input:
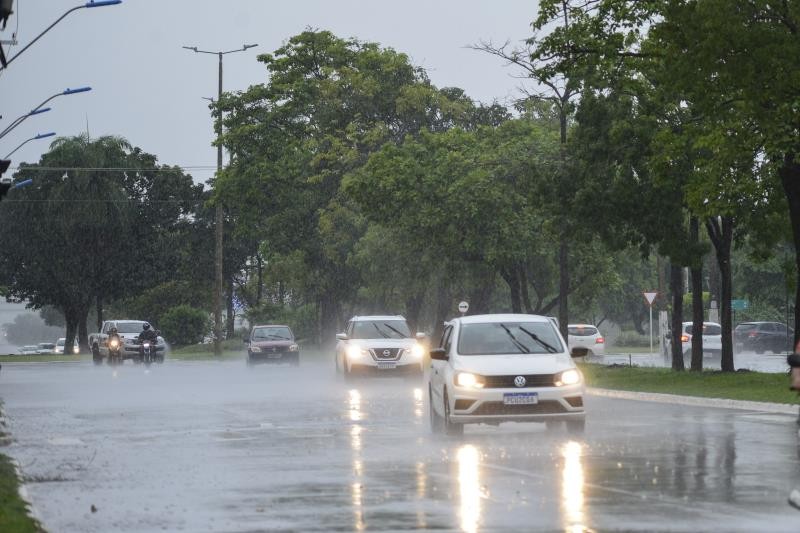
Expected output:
(438, 368)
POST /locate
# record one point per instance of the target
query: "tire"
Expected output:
(436, 422)
(450, 428)
(576, 427)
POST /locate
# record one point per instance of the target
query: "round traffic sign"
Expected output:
(463, 307)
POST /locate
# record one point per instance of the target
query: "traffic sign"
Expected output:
(463, 307)
(650, 297)
(739, 305)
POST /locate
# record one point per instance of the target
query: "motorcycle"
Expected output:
(114, 350)
(147, 352)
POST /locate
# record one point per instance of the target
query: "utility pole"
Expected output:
(218, 209)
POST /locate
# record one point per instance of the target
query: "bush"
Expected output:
(184, 324)
(631, 339)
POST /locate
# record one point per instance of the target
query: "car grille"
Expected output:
(546, 407)
(507, 382)
(385, 354)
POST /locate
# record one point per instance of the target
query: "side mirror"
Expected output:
(439, 354)
(341, 336)
(421, 336)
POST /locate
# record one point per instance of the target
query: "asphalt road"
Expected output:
(210, 446)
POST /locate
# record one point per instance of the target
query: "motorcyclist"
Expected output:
(113, 333)
(147, 335)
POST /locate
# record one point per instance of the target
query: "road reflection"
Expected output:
(469, 487)
(356, 496)
(418, 403)
(572, 488)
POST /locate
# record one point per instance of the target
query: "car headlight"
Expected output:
(353, 352)
(416, 351)
(76, 350)
(294, 348)
(469, 381)
(569, 377)
(255, 349)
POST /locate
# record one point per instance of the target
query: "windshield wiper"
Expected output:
(521, 347)
(535, 337)
(400, 333)
(384, 335)
(278, 337)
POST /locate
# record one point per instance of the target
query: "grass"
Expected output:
(752, 386)
(13, 509)
(631, 349)
(41, 358)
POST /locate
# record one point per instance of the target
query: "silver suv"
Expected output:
(379, 345)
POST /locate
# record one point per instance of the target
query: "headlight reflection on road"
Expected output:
(422, 489)
(468, 458)
(572, 487)
(355, 405)
(418, 402)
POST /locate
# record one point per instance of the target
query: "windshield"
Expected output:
(708, 329)
(582, 331)
(380, 329)
(497, 338)
(280, 333)
(129, 327)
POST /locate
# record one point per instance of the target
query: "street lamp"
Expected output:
(26, 141)
(39, 109)
(90, 4)
(218, 211)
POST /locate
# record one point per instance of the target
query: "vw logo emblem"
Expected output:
(387, 353)
(520, 381)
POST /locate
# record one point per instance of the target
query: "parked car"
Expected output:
(59, 349)
(273, 344)
(28, 349)
(763, 336)
(379, 345)
(585, 339)
(712, 339)
(45, 348)
(503, 368)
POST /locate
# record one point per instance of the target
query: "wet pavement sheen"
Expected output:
(206, 446)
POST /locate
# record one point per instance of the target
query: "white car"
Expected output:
(503, 368)
(59, 349)
(378, 345)
(585, 339)
(712, 339)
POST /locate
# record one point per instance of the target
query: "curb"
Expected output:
(696, 401)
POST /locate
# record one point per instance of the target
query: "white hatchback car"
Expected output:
(585, 339)
(379, 345)
(503, 368)
(712, 339)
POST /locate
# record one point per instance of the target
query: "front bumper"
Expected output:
(474, 406)
(273, 357)
(404, 369)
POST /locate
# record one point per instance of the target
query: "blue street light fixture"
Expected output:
(98, 3)
(36, 138)
(39, 109)
(21, 184)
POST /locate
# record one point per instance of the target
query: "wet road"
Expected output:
(210, 446)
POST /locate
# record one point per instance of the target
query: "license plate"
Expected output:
(274, 355)
(387, 366)
(521, 398)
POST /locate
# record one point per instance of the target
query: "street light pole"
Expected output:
(39, 109)
(218, 209)
(35, 138)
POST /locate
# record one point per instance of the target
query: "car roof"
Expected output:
(271, 326)
(704, 323)
(581, 326)
(506, 317)
(377, 317)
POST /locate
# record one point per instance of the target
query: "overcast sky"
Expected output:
(149, 90)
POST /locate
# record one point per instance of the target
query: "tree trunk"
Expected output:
(99, 308)
(720, 230)
(72, 330)
(260, 280)
(443, 311)
(523, 283)
(697, 301)
(230, 313)
(511, 277)
(563, 285)
(480, 297)
(83, 332)
(329, 319)
(676, 286)
(414, 308)
(790, 178)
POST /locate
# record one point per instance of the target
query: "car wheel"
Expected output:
(576, 427)
(451, 428)
(437, 427)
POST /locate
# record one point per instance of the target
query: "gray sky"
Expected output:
(149, 90)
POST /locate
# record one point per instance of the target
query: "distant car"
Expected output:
(272, 344)
(763, 336)
(585, 339)
(59, 348)
(45, 348)
(503, 368)
(379, 345)
(128, 331)
(29, 349)
(712, 339)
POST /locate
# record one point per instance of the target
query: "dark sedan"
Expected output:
(760, 337)
(272, 344)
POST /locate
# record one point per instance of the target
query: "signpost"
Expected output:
(650, 297)
(463, 307)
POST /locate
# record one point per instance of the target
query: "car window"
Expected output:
(582, 331)
(780, 328)
(380, 329)
(496, 338)
(745, 327)
(766, 327)
(280, 333)
(447, 338)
